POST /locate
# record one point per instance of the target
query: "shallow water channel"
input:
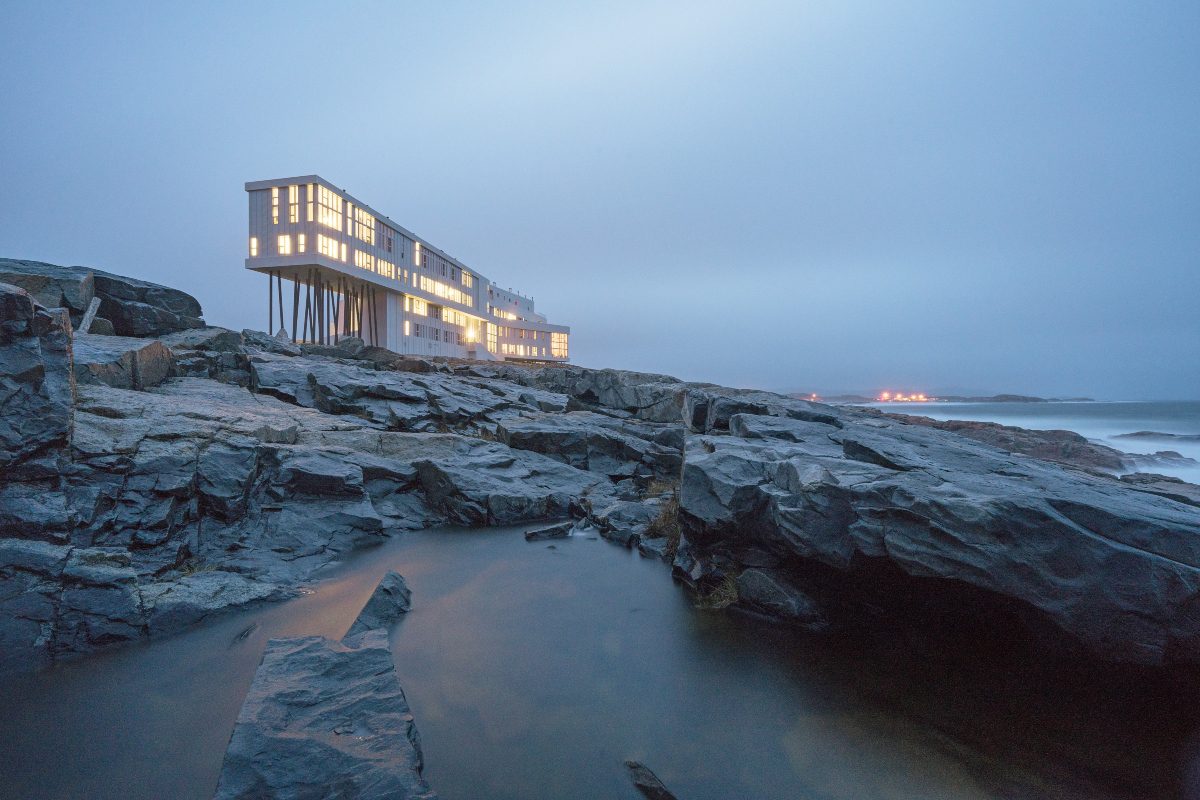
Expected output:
(534, 671)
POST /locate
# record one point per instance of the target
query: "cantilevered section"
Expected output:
(354, 272)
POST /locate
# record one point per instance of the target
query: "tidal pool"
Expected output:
(535, 669)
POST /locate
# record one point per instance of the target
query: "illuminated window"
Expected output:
(253, 246)
(328, 246)
(329, 208)
(445, 291)
(275, 205)
(558, 345)
(416, 305)
(468, 280)
(364, 260)
(417, 254)
(491, 338)
(407, 328)
(293, 204)
(300, 243)
(364, 226)
(285, 245)
(312, 193)
(385, 268)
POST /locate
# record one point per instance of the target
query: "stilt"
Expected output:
(295, 304)
(336, 300)
(279, 294)
(270, 302)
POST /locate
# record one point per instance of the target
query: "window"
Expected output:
(329, 208)
(253, 246)
(328, 246)
(389, 243)
(364, 226)
(407, 328)
(349, 217)
(558, 345)
(312, 193)
(274, 205)
(300, 243)
(293, 204)
(468, 280)
(285, 245)
(491, 338)
(445, 291)
(385, 268)
(416, 305)
(417, 254)
(364, 260)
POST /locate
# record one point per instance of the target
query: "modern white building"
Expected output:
(354, 272)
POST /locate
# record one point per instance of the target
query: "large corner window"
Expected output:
(558, 345)
(329, 208)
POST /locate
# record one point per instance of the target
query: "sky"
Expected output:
(946, 197)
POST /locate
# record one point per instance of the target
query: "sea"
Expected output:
(1100, 421)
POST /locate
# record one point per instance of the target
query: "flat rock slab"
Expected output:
(559, 530)
(325, 720)
(391, 598)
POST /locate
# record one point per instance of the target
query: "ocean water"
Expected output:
(1098, 421)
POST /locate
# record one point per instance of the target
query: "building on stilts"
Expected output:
(338, 268)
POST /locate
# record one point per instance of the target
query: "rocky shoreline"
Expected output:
(169, 472)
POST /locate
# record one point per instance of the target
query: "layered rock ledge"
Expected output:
(151, 481)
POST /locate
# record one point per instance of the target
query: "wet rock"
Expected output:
(100, 605)
(1114, 569)
(323, 719)
(560, 530)
(647, 782)
(30, 587)
(102, 327)
(597, 443)
(388, 602)
(121, 362)
(267, 343)
(210, 339)
(1165, 485)
(493, 485)
(771, 593)
(175, 604)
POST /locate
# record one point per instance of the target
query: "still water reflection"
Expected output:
(534, 671)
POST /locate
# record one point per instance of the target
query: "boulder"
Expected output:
(617, 448)
(37, 378)
(324, 719)
(135, 308)
(772, 594)
(560, 530)
(388, 602)
(121, 362)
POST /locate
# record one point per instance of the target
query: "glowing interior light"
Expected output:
(300, 243)
(285, 245)
(253, 246)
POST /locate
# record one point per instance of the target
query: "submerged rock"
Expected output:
(388, 602)
(560, 530)
(647, 782)
(325, 719)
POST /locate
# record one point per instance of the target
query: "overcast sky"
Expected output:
(961, 196)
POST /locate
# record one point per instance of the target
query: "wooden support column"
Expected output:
(295, 304)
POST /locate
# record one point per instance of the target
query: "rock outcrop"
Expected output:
(391, 599)
(325, 719)
(147, 483)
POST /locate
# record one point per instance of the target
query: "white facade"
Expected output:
(354, 272)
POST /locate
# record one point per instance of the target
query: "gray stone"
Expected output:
(388, 602)
(323, 719)
(176, 604)
(647, 782)
(772, 594)
(121, 362)
(560, 530)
